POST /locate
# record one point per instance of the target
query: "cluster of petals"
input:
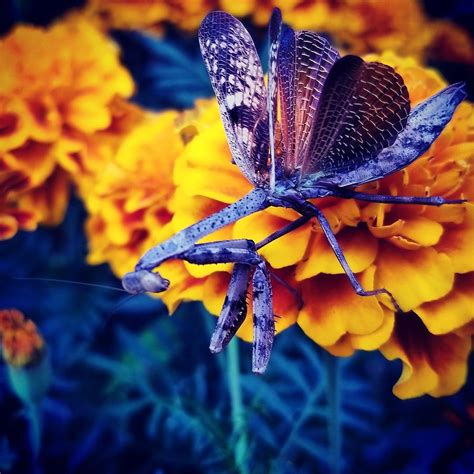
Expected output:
(358, 26)
(174, 170)
(20, 340)
(59, 88)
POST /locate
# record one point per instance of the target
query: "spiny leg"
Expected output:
(223, 251)
(234, 309)
(263, 320)
(382, 198)
(242, 243)
(306, 207)
(244, 255)
(143, 279)
(185, 239)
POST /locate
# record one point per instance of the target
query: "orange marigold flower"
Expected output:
(420, 253)
(360, 26)
(150, 13)
(21, 342)
(130, 203)
(58, 87)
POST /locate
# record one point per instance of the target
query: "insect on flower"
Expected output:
(323, 126)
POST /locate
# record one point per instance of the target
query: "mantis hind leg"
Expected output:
(306, 208)
(347, 193)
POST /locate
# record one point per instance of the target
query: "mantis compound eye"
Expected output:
(142, 281)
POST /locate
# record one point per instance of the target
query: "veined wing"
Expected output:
(286, 70)
(363, 108)
(274, 31)
(426, 121)
(304, 62)
(314, 60)
(237, 79)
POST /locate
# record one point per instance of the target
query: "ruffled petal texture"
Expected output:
(62, 91)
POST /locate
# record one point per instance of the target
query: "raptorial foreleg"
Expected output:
(243, 253)
(186, 238)
(248, 264)
(263, 319)
(143, 279)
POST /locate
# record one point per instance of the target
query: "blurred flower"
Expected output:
(150, 13)
(21, 343)
(359, 26)
(28, 366)
(362, 26)
(59, 86)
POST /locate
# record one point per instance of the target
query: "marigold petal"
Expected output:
(346, 210)
(342, 348)
(454, 213)
(404, 243)
(8, 226)
(459, 152)
(285, 301)
(205, 168)
(34, 159)
(14, 126)
(448, 180)
(242, 8)
(349, 343)
(214, 291)
(85, 114)
(457, 243)
(422, 231)
(385, 231)
(48, 202)
(414, 277)
(432, 364)
(332, 308)
(26, 216)
(44, 119)
(373, 340)
(359, 248)
(454, 310)
(283, 252)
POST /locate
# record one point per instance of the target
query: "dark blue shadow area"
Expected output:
(169, 72)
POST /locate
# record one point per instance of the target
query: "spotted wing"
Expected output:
(237, 79)
(363, 108)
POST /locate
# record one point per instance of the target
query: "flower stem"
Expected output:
(237, 409)
(333, 395)
(34, 417)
